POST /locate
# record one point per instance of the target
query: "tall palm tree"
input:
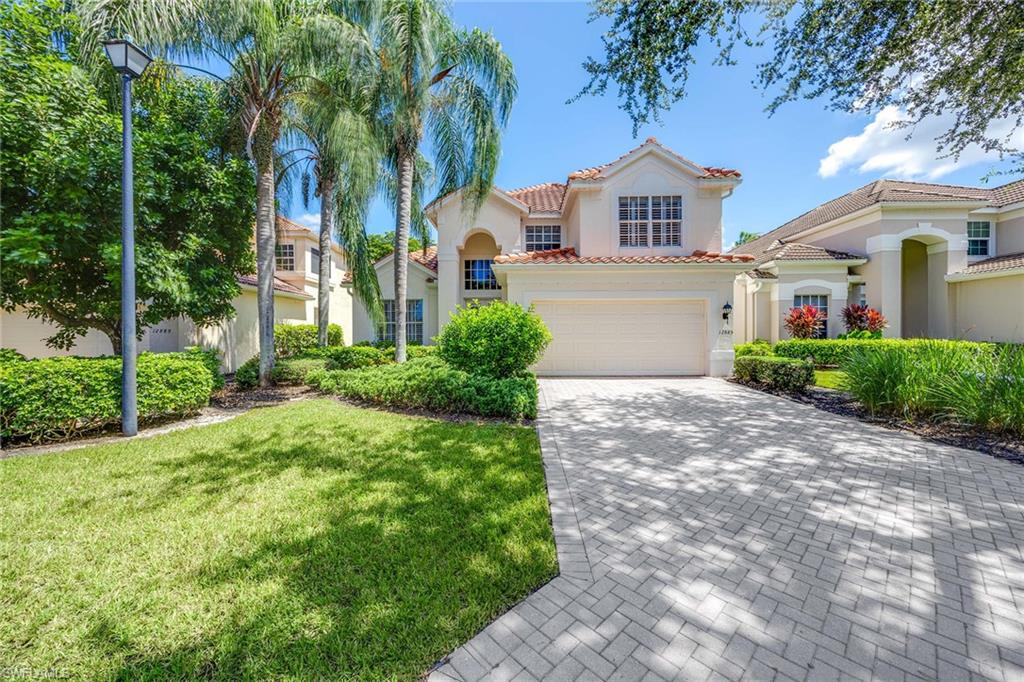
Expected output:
(339, 159)
(267, 45)
(452, 86)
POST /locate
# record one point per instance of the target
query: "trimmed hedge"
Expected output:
(432, 384)
(208, 356)
(293, 339)
(10, 355)
(758, 347)
(293, 370)
(783, 374)
(835, 352)
(57, 398)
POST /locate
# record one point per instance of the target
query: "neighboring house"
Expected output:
(621, 261)
(237, 339)
(938, 261)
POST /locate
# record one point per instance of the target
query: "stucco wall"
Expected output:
(990, 309)
(1010, 235)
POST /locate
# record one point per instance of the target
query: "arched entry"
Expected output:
(475, 259)
(924, 304)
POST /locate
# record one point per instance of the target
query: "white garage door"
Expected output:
(623, 337)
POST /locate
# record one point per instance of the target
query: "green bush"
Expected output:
(783, 374)
(293, 371)
(210, 357)
(293, 339)
(974, 384)
(757, 347)
(248, 373)
(354, 357)
(835, 352)
(57, 398)
(499, 340)
(432, 384)
(10, 355)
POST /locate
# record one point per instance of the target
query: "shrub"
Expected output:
(248, 373)
(861, 334)
(354, 357)
(499, 340)
(210, 357)
(804, 322)
(432, 384)
(860, 318)
(757, 347)
(56, 398)
(783, 374)
(10, 355)
(293, 339)
(293, 371)
(835, 352)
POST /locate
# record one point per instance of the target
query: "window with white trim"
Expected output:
(479, 275)
(666, 220)
(819, 301)
(654, 220)
(284, 256)
(862, 294)
(979, 238)
(413, 321)
(543, 237)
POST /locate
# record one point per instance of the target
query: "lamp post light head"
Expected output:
(726, 311)
(128, 58)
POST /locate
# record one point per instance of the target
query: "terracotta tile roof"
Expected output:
(568, 256)
(1012, 261)
(795, 251)
(287, 223)
(428, 260)
(543, 197)
(595, 172)
(886, 191)
(279, 284)
(760, 274)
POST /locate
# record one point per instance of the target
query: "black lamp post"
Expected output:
(130, 61)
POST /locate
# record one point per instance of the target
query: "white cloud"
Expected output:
(882, 148)
(310, 220)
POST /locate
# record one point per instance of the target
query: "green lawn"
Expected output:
(828, 378)
(307, 541)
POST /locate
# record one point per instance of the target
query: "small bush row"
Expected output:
(973, 384)
(57, 398)
(758, 347)
(432, 384)
(292, 370)
(293, 339)
(835, 352)
(782, 374)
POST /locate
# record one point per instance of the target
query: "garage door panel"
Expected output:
(623, 337)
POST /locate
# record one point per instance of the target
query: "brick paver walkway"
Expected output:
(706, 531)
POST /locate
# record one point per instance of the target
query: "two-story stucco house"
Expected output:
(939, 261)
(620, 260)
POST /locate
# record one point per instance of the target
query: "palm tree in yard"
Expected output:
(339, 159)
(443, 85)
(269, 47)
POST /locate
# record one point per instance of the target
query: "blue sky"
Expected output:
(720, 123)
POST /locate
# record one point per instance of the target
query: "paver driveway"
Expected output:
(709, 531)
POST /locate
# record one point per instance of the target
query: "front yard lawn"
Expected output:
(828, 378)
(306, 541)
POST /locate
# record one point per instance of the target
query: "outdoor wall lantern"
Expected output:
(130, 61)
(726, 311)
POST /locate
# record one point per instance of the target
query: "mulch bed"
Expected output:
(839, 402)
(231, 397)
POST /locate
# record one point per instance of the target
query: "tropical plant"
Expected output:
(383, 244)
(60, 191)
(745, 238)
(861, 318)
(445, 86)
(270, 48)
(803, 322)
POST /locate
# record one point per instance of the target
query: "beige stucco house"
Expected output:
(295, 302)
(938, 261)
(620, 260)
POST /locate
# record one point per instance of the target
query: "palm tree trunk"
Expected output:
(401, 261)
(323, 296)
(266, 240)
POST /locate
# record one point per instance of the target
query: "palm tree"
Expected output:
(267, 45)
(339, 160)
(451, 85)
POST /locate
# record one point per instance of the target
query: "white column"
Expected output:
(448, 286)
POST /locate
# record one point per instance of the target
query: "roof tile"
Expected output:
(568, 256)
(1012, 261)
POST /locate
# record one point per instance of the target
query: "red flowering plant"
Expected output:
(862, 322)
(804, 322)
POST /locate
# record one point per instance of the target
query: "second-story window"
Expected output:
(479, 276)
(979, 238)
(314, 259)
(543, 237)
(285, 254)
(647, 220)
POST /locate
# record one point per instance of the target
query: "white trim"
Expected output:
(786, 291)
(790, 264)
(968, 276)
(894, 242)
(283, 294)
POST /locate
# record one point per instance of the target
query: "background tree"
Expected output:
(452, 86)
(60, 165)
(745, 237)
(381, 245)
(926, 57)
(269, 46)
